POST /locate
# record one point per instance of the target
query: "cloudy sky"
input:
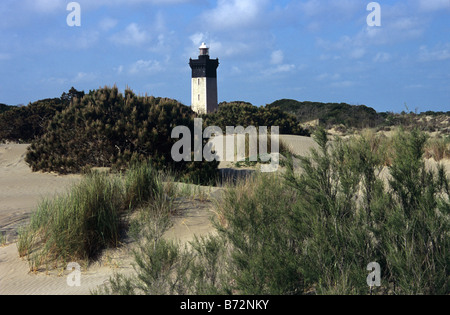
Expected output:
(310, 50)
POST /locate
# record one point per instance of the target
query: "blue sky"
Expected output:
(311, 50)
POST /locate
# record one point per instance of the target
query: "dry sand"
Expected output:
(20, 192)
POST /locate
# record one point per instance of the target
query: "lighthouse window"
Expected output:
(199, 97)
(198, 81)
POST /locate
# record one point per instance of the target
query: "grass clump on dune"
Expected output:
(88, 218)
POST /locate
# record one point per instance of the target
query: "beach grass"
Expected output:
(77, 225)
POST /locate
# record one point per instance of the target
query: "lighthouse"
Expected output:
(204, 82)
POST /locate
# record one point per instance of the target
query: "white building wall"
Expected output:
(198, 102)
(204, 95)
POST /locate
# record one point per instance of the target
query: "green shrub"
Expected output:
(404, 227)
(245, 115)
(316, 232)
(415, 238)
(108, 129)
(4, 108)
(26, 123)
(256, 224)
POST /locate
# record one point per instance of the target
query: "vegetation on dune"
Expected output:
(361, 116)
(90, 217)
(438, 148)
(355, 201)
(108, 129)
(26, 123)
(330, 113)
(4, 108)
(314, 233)
(245, 114)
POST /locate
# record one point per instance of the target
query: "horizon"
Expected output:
(404, 110)
(315, 51)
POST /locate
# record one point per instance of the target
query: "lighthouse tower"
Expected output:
(204, 82)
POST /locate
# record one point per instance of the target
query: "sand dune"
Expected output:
(20, 192)
(21, 189)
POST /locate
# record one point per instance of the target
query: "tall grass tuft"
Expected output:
(76, 225)
(142, 184)
(88, 218)
(438, 148)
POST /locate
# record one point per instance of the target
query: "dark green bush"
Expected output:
(4, 108)
(245, 114)
(26, 123)
(108, 129)
(330, 113)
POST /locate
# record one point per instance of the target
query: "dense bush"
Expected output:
(245, 114)
(26, 123)
(4, 108)
(316, 232)
(330, 113)
(108, 129)
(361, 116)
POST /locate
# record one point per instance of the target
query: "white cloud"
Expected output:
(119, 69)
(343, 84)
(234, 14)
(277, 57)
(145, 66)
(46, 6)
(107, 24)
(382, 57)
(197, 38)
(440, 52)
(222, 48)
(284, 68)
(357, 53)
(133, 35)
(83, 77)
(434, 5)
(337, 8)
